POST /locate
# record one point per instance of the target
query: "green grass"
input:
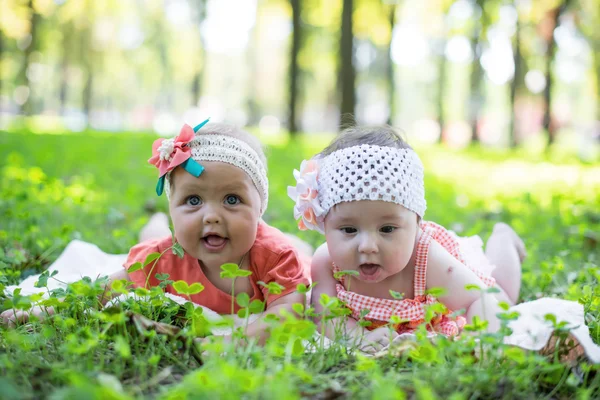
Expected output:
(99, 188)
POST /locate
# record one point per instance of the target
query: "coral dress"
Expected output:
(467, 250)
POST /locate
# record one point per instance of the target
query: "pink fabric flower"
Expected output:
(167, 154)
(306, 196)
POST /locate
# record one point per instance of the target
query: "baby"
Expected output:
(365, 192)
(216, 182)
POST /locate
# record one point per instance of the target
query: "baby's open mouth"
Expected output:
(369, 270)
(214, 241)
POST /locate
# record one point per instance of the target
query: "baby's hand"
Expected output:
(375, 340)
(12, 316)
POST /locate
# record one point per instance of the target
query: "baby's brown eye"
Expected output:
(348, 230)
(388, 229)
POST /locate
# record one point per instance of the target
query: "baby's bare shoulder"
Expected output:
(321, 257)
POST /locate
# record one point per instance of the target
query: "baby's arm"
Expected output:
(260, 327)
(445, 271)
(108, 294)
(322, 276)
(12, 316)
(286, 269)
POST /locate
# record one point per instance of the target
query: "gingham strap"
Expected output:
(420, 279)
(448, 241)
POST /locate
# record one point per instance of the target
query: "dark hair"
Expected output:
(380, 135)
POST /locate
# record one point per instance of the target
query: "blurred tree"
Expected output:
(347, 73)
(372, 29)
(69, 17)
(198, 15)
(518, 77)
(75, 22)
(67, 51)
(294, 71)
(251, 97)
(30, 45)
(551, 21)
(159, 40)
(442, 66)
(90, 70)
(391, 9)
(2, 51)
(481, 23)
(319, 61)
(441, 86)
(587, 18)
(87, 54)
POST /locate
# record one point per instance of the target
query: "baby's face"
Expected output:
(375, 238)
(215, 216)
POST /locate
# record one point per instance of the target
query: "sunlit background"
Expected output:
(505, 73)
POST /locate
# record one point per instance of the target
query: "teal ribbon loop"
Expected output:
(160, 185)
(201, 124)
(192, 166)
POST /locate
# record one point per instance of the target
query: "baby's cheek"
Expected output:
(255, 202)
(256, 212)
(247, 225)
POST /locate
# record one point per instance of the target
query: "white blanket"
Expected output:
(530, 331)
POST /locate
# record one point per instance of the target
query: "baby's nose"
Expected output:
(211, 216)
(367, 244)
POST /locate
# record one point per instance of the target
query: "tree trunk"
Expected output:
(196, 86)
(164, 100)
(63, 90)
(347, 72)
(87, 63)
(550, 54)
(251, 103)
(28, 107)
(517, 78)
(1, 55)
(593, 38)
(198, 79)
(88, 91)
(441, 92)
(596, 55)
(476, 93)
(294, 67)
(64, 67)
(390, 68)
(477, 75)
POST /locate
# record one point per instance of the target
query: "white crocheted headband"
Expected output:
(189, 149)
(363, 172)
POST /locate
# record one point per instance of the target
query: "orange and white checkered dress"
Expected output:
(413, 310)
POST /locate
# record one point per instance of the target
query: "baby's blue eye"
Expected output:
(348, 230)
(193, 201)
(388, 229)
(232, 200)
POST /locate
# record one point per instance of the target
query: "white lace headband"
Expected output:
(190, 149)
(356, 173)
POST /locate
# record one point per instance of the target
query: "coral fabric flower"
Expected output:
(305, 194)
(167, 154)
